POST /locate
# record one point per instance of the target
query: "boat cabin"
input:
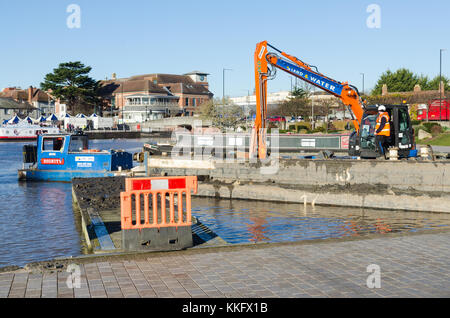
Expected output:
(64, 156)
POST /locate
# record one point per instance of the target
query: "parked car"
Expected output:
(277, 119)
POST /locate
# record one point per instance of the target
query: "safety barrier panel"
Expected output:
(153, 192)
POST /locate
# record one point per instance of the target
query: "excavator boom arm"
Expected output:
(263, 59)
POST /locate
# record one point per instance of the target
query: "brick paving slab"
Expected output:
(411, 266)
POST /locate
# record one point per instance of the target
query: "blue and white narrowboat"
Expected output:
(61, 157)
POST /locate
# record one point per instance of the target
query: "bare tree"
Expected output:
(224, 116)
(298, 106)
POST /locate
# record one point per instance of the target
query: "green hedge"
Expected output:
(300, 127)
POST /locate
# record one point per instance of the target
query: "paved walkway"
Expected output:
(441, 148)
(411, 266)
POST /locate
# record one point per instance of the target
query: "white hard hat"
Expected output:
(381, 108)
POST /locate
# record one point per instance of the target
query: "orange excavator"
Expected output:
(362, 141)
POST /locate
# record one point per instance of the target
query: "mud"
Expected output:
(99, 193)
(103, 194)
(358, 189)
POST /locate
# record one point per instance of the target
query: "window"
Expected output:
(403, 120)
(403, 123)
(368, 131)
(186, 102)
(78, 143)
(53, 144)
(193, 102)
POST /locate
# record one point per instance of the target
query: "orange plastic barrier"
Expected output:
(153, 192)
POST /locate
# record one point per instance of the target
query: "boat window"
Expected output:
(78, 143)
(53, 144)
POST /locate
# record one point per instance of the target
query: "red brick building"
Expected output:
(151, 96)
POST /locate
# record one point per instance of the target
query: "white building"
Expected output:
(272, 99)
(275, 99)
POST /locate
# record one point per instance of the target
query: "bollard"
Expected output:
(393, 154)
(425, 153)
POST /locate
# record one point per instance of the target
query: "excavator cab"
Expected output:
(402, 134)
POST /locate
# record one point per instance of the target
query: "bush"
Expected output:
(272, 125)
(332, 127)
(320, 129)
(415, 122)
(428, 126)
(436, 130)
(302, 127)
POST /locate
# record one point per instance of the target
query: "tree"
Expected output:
(434, 83)
(297, 106)
(222, 116)
(300, 92)
(70, 82)
(403, 80)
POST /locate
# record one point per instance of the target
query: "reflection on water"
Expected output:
(36, 218)
(240, 221)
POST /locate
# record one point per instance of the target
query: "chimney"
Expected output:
(417, 88)
(30, 94)
(384, 90)
(114, 76)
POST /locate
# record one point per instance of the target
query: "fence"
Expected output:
(144, 194)
(286, 143)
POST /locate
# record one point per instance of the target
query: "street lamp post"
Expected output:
(223, 84)
(362, 83)
(440, 81)
(312, 110)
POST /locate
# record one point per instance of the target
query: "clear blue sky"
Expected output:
(146, 36)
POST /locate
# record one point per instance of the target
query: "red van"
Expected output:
(436, 111)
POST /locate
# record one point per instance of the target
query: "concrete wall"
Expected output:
(174, 122)
(402, 185)
(414, 175)
(113, 134)
(388, 200)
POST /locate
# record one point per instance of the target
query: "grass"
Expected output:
(441, 140)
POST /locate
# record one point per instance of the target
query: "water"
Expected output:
(240, 221)
(36, 218)
(37, 222)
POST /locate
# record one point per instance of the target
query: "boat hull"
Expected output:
(66, 175)
(17, 139)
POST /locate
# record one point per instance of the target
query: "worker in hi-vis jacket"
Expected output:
(382, 130)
